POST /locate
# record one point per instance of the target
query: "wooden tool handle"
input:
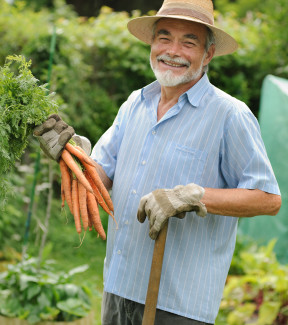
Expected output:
(154, 280)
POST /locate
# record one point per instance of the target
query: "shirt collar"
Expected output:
(193, 95)
(150, 90)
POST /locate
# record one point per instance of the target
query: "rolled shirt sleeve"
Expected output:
(245, 163)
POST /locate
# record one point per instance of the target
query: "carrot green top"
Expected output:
(23, 105)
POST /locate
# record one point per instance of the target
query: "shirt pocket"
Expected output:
(182, 165)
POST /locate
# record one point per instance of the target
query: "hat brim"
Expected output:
(142, 28)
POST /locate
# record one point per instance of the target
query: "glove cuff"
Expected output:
(191, 194)
(82, 142)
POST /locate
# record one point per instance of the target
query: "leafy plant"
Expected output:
(23, 104)
(260, 295)
(39, 293)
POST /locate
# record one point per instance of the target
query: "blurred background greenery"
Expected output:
(96, 65)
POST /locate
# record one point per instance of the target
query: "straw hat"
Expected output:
(200, 11)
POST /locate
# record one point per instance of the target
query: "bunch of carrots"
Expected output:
(83, 190)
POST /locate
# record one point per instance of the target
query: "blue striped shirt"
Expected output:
(208, 138)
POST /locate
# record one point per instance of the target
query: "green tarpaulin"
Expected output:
(273, 120)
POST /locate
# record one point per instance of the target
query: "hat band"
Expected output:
(186, 12)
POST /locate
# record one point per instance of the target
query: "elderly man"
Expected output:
(181, 149)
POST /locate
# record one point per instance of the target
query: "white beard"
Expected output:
(169, 79)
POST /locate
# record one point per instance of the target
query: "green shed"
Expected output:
(273, 120)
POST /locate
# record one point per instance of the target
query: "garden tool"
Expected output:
(155, 275)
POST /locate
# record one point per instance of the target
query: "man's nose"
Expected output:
(174, 49)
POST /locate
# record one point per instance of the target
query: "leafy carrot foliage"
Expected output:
(23, 105)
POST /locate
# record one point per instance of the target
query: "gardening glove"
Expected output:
(162, 204)
(53, 135)
(82, 142)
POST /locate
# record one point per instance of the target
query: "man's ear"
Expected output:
(209, 54)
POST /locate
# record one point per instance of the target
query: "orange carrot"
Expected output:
(81, 155)
(66, 156)
(97, 194)
(82, 194)
(95, 216)
(89, 220)
(99, 187)
(102, 189)
(92, 162)
(75, 203)
(66, 183)
(99, 197)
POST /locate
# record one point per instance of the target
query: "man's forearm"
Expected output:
(241, 202)
(105, 179)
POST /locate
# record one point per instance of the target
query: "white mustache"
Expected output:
(165, 57)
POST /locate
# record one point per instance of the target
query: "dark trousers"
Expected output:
(120, 311)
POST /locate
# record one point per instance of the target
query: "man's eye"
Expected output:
(189, 43)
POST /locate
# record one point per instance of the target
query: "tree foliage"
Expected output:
(262, 47)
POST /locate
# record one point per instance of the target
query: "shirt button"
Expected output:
(134, 192)
(153, 132)
(119, 252)
(144, 162)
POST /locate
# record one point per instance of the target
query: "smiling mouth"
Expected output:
(174, 64)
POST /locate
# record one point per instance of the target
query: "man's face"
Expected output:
(178, 52)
